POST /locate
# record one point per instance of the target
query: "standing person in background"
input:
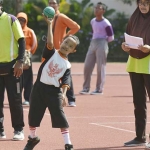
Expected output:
(31, 46)
(98, 50)
(60, 24)
(12, 47)
(138, 66)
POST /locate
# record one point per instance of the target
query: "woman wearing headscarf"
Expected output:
(138, 66)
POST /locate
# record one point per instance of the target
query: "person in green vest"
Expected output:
(138, 66)
(12, 47)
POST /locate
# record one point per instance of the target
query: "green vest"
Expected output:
(9, 35)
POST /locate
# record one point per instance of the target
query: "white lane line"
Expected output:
(102, 123)
(105, 123)
(102, 117)
(114, 128)
(89, 117)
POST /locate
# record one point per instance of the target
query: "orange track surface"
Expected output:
(99, 122)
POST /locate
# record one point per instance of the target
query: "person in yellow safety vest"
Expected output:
(12, 47)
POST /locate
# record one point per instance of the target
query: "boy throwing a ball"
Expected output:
(49, 90)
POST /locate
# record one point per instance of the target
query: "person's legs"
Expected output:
(89, 66)
(147, 84)
(2, 90)
(58, 118)
(36, 112)
(32, 142)
(13, 87)
(66, 137)
(70, 95)
(140, 109)
(139, 100)
(101, 47)
(27, 84)
(37, 104)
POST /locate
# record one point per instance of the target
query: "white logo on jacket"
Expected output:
(54, 70)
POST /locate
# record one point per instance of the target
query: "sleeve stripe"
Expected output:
(109, 31)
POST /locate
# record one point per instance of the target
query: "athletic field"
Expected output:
(98, 122)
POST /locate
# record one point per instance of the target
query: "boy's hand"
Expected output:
(64, 103)
(144, 48)
(48, 20)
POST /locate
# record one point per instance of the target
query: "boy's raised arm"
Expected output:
(50, 43)
(50, 35)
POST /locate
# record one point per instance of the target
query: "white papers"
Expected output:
(133, 41)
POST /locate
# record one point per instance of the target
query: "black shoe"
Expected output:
(31, 143)
(135, 142)
(2, 135)
(69, 147)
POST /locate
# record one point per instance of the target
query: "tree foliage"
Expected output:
(81, 12)
(128, 1)
(13, 6)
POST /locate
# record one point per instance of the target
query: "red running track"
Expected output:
(99, 122)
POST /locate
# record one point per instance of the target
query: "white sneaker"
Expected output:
(72, 104)
(147, 146)
(2, 135)
(25, 103)
(18, 136)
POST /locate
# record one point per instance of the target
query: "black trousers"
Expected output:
(140, 84)
(13, 88)
(27, 82)
(70, 93)
(46, 96)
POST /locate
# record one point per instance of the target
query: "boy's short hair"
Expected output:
(75, 38)
(103, 5)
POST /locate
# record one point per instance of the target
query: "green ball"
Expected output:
(49, 12)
